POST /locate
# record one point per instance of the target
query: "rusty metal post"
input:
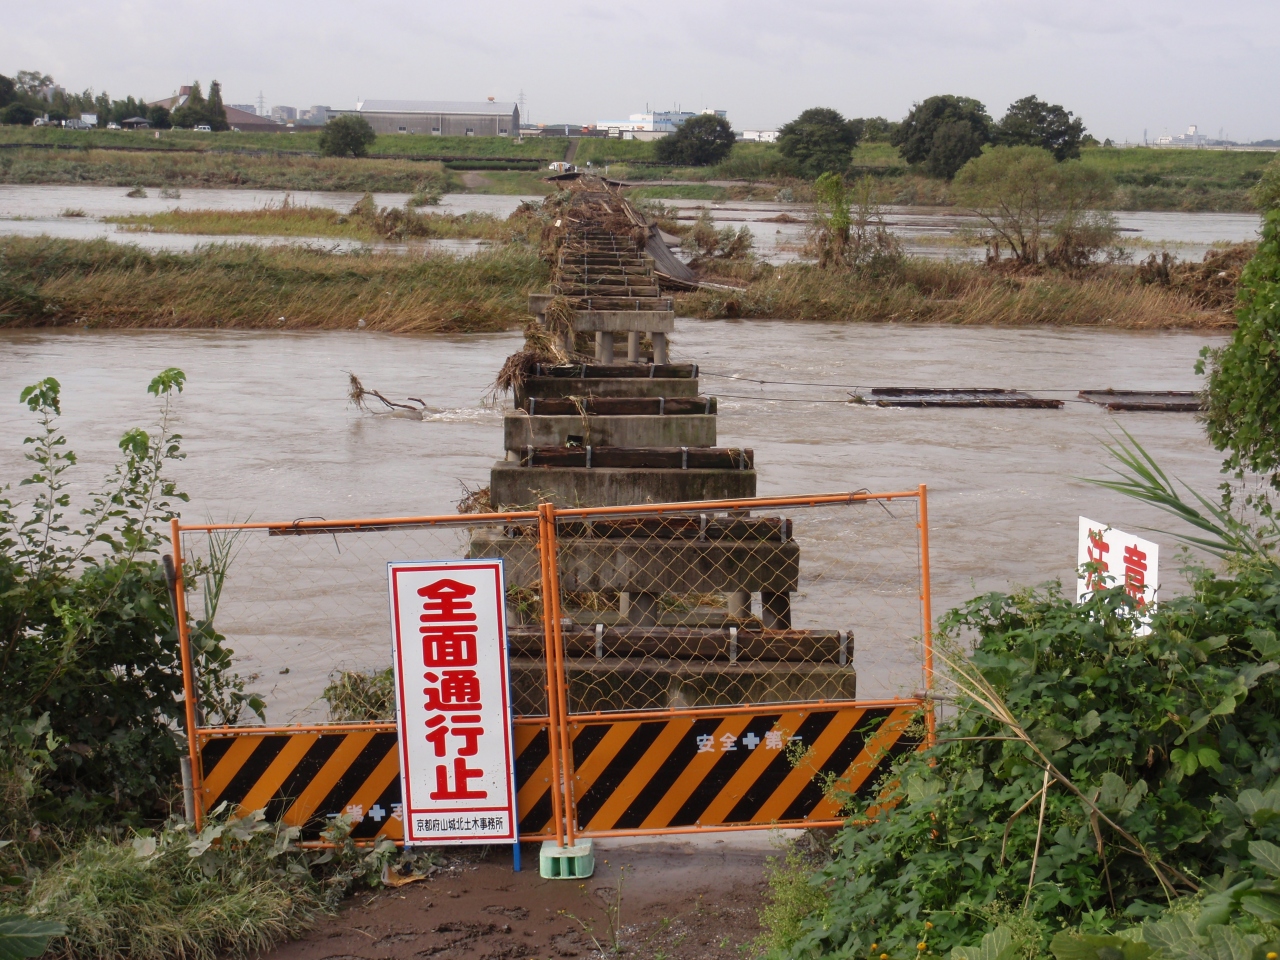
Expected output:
(547, 562)
(566, 748)
(188, 671)
(926, 610)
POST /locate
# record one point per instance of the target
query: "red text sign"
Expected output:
(453, 703)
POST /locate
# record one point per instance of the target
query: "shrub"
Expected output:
(91, 701)
(17, 114)
(1026, 198)
(1136, 737)
(347, 136)
(236, 888)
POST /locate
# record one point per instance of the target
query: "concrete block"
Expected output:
(606, 387)
(514, 486)
(625, 321)
(567, 862)
(650, 565)
(679, 430)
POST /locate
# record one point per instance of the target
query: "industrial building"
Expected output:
(657, 122)
(446, 118)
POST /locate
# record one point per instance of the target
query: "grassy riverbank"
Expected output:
(932, 291)
(47, 282)
(299, 140)
(190, 169)
(1147, 178)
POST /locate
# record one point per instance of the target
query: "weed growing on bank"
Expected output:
(46, 282)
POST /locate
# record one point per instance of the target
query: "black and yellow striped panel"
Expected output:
(304, 777)
(640, 774)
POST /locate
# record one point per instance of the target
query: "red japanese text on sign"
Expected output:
(453, 699)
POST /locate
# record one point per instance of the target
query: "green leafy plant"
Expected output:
(91, 703)
(1242, 415)
(22, 937)
(1077, 777)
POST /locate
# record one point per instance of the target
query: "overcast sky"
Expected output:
(1122, 65)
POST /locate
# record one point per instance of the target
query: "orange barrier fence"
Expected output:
(679, 667)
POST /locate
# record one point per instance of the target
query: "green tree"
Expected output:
(819, 141)
(917, 135)
(215, 113)
(32, 82)
(8, 91)
(158, 116)
(18, 114)
(1033, 123)
(876, 129)
(954, 145)
(1243, 410)
(347, 135)
(1036, 207)
(700, 141)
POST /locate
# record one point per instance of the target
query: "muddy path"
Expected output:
(694, 899)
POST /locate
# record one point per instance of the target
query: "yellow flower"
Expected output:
(928, 925)
(875, 946)
(1272, 955)
(921, 945)
(884, 956)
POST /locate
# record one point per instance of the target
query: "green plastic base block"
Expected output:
(566, 863)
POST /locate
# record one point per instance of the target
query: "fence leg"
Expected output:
(566, 748)
(547, 560)
(926, 613)
(188, 676)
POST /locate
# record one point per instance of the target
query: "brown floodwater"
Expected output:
(270, 436)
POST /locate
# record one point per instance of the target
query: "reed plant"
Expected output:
(288, 219)
(45, 282)
(926, 291)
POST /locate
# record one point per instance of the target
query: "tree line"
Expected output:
(31, 94)
(940, 134)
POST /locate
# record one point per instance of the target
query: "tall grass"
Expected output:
(290, 220)
(924, 291)
(46, 282)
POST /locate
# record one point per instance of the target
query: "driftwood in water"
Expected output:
(359, 395)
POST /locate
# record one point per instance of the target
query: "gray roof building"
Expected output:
(446, 118)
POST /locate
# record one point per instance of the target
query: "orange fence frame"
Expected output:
(561, 754)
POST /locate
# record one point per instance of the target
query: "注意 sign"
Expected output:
(453, 701)
(1108, 558)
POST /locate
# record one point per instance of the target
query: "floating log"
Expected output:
(955, 397)
(1167, 401)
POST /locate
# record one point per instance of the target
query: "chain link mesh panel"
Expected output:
(760, 605)
(305, 610)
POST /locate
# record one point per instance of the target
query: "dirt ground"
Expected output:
(681, 899)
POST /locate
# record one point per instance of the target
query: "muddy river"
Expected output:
(270, 436)
(937, 232)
